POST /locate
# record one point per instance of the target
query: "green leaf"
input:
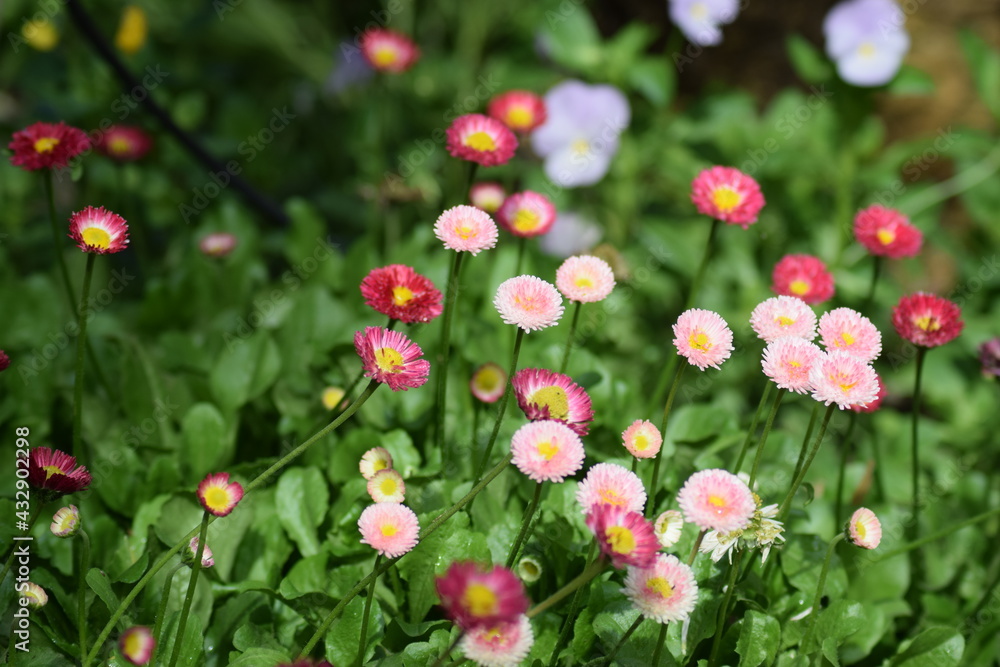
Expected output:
(801, 560)
(572, 39)
(807, 61)
(302, 500)
(985, 65)
(405, 457)
(911, 81)
(934, 647)
(138, 568)
(343, 637)
(654, 78)
(247, 368)
(835, 624)
(759, 638)
(205, 445)
(192, 643)
(256, 657)
(101, 584)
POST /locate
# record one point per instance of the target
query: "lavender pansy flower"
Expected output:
(867, 40)
(571, 234)
(700, 20)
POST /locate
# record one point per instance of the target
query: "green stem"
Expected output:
(819, 588)
(877, 456)
(933, 537)
(621, 642)
(916, 562)
(753, 428)
(584, 577)
(663, 430)
(81, 591)
(447, 652)
(787, 504)
(574, 606)
(569, 339)
(162, 612)
(522, 242)
(669, 368)
(189, 598)
(763, 437)
(58, 237)
(13, 550)
(696, 285)
(964, 180)
(368, 610)
(444, 354)
(694, 549)
(76, 449)
(805, 441)
(502, 408)
(660, 643)
(523, 533)
(724, 609)
(876, 270)
(987, 596)
(845, 450)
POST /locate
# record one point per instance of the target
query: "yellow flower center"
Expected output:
(699, 341)
(726, 199)
(388, 530)
(886, 236)
(52, 470)
(119, 146)
(580, 146)
(380, 464)
(640, 442)
(96, 238)
(401, 295)
(217, 498)
(487, 379)
(784, 321)
(799, 287)
(332, 396)
(480, 141)
(859, 528)
(794, 364)
(699, 11)
(554, 398)
(621, 539)
(493, 636)
(519, 117)
(867, 50)
(46, 144)
(583, 280)
(389, 486)
(610, 497)
(526, 220)
(716, 501)
(660, 586)
(480, 600)
(388, 360)
(384, 56)
(927, 323)
(133, 645)
(547, 450)
(465, 232)
(845, 339)
(846, 386)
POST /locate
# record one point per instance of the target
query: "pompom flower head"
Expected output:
(501, 645)
(476, 596)
(803, 276)
(727, 194)
(520, 110)
(54, 473)
(527, 214)
(389, 357)
(543, 394)
(391, 529)
(867, 40)
(789, 361)
(374, 460)
(218, 495)
(547, 451)
(136, 645)
(528, 302)
(487, 196)
(703, 338)
(65, 522)
(886, 232)
(668, 527)
(626, 537)
(665, 591)
(701, 20)
(927, 320)
(388, 51)
(46, 146)
(849, 331)
(488, 382)
(124, 143)
(387, 486)
(841, 378)
(466, 228)
(611, 484)
(782, 316)
(864, 529)
(642, 439)
(585, 279)
(480, 139)
(717, 500)
(97, 230)
(402, 294)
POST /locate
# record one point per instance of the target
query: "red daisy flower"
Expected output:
(626, 537)
(543, 394)
(124, 143)
(388, 50)
(391, 358)
(47, 146)
(475, 595)
(401, 293)
(927, 320)
(218, 495)
(520, 110)
(803, 276)
(97, 230)
(54, 473)
(887, 232)
(481, 139)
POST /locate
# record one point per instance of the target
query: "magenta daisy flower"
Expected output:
(46, 146)
(54, 473)
(585, 279)
(528, 302)
(388, 51)
(927, 320)
(887, 232)
(727, 194)
(788, 362)
(501, 645)
(124, 143)
(487, 196)
(665, 591)
(520, 110)
(480, 139)
(849, 331)
(642, 439)
(218, 495)
(703, 338)
(547, 451)
(668, 527)
(864, 529)
(476, 596)
(611, 484)
(391, 358)
(527, 214)
(65, 522)
(782, 316)
(402, 294)
(391, 529)
(488, 382)
(387, 486)
(803, 276)
(466, 228)
(543, 394)
(374, 460)
(717, 500)
(626, 537)
(842, 378)
(97, 230)
(136, 645)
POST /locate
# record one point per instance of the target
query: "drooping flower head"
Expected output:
(332, 397)
(46, 146)
(782, 316)
(528, 302)
(520, 110)
(97, 230)
(703, 338)
(476, 596)
(927, 320)
(207, 558)
(547, 451)
(124, 143)
(668, 527)
(864, 529)
(585, 279)
(34, 594)
(642, 439)
(488, 382)
(466, 228)
(480, 139)
(391, 358)
(665, 591)
(717, 500)
(580, 134)
(487, 196)
(500, 645)
(611, 484)
(136, 645)
(388, 51)
(803, 276)
(527, 214)
(701, 20)
(387, 486)
(391, 529)
(727, 194)
(543, 394)
(217, 244)
(877, 403)
(218, 495)
(529, 569)
(887, 232)
(841, 378)
(788, 362)
(849, 331)
(867, 40)
(65, 522)
(989, 357)
(375, 460)
(402, 294)
(626, 537)
(54, 473)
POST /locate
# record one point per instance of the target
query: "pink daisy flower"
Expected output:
(487, 196)
(727, 194)
(66, 521)
(480, 139)
(841, 378)
(54, 473)
(46, 146)
(543, 394)
(217, 244)
(207, 558)
(803, 276)
(520, 110)
(391, 358)
(887, 232)
(466, 228)
(642, 439)
(927, 320)
(849, 331)
(665, 591)
(788, 362)
(374, 460)
(782, 316)
(703, 338)
(97, 230)
(668, 527)
(488, 382)
(527, 214)
(389, 528)
(547, 451)
(388, 51)
(402, 294)
(387, 486)
(717, 500)
(585, 279)
(877, 403)
(476, 596)
(626, 537)
(136, 645)
(501, 645)
(124, 143)
(528, 302)
(611, 484)
(864, 529)
(218, 495)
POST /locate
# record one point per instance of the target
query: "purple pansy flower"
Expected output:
(700, 20)
(867, 40)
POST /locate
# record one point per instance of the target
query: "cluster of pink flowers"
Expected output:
(388, 526)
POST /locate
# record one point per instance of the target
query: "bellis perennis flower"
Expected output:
(402, 294)
(849, 331)
(626, 537)
(841, 378)
(864, 529)
(54, 473)
(218, 495)
(727, 194)
(717, 500)
(500, 645)
(488, 382)
(97, 230)
(585, 279)
(389, 528)
(124, 143)
(476, 596)
(887, 232)
(388, 51)
(665, 591)
(803, 276)
(611, 484)
(547, 451)
(520, 110)
(466, 228)
(703, 338)
(528, 302)
(527, 214)
(136, 645)
(782, 316)
(543, 394)
(391, 358)
(487, 196)
(480, 139)
(927, 320)
(46, 146)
